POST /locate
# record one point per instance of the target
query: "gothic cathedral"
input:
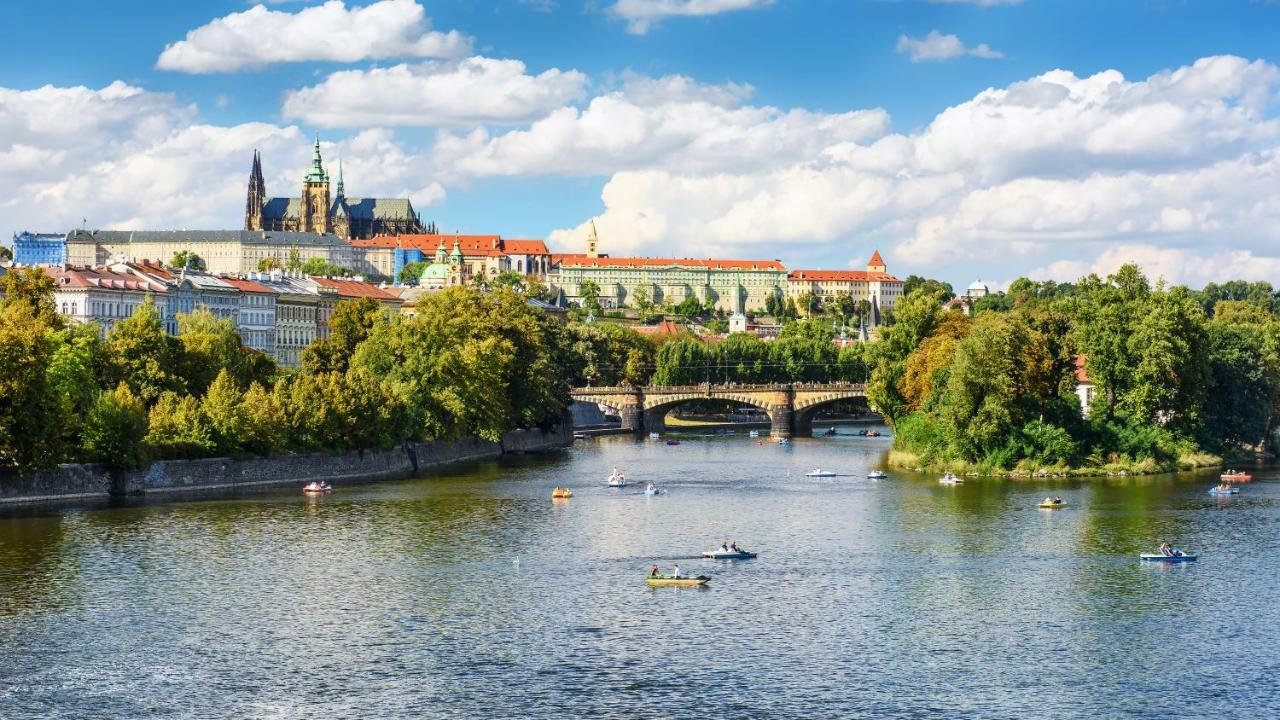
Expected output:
(317, 212)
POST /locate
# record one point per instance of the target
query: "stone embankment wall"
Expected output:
(71, 481)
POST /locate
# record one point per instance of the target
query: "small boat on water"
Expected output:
(723, 553)
(654, 436)
(862, 432)
(579, 436)
(819, 472)
(754, 434)
(316, 488)
(652, 490)
(1235, 476)
(617, 479)
(1160, 557)
(950, 479)
(873, 433)
(672, 580)
(1224, 490)
(1052, 504)
(784, 441)
(673, 441)
(561, 493)
(876, 475)
(831, 431)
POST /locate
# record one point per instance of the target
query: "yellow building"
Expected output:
(874, 284)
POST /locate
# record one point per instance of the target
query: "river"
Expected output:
(474, 595)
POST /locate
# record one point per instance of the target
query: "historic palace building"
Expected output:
(317, 211)
(874, 285)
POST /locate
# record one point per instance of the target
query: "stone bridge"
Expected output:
(791, 408)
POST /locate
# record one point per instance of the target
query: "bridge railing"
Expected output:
(729, 387)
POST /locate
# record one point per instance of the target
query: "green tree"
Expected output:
(143, 357)
(295, 260)
(319, 267)
(689, 307)
(31, 416)
(411, 273)
(844, 305)
(917, 316)
(176, 428)
(6, 254)
(267, 264)
(509, 279)
(223, 406)
(349, 325)
(33, 288)
(943, 290)
(114, 429)
(75, 375)
(643, 303)
(265, 428)
(208, 346)
(188, 260)
(590, 294)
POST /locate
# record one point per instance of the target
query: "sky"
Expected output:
(964, 139)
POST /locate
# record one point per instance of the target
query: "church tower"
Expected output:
(257, 195)
(593, 242)
(314, 213)
(340, 216)
(876, 263)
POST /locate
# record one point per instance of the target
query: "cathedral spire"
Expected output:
(317, 173)
(256, 196)
(339, 194)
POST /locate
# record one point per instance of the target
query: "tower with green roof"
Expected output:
(315, 196)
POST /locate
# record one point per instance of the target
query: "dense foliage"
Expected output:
(999, 390)
(466, 364)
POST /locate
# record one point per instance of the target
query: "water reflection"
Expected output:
(475, 595)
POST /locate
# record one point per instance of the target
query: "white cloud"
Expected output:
(123, 157)
(437, 92)
(1054, 167)
(669, 122)
(936, 46)
(642, 15)
(329, 32)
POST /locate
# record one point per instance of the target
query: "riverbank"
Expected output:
(75, 482)
(905, 460)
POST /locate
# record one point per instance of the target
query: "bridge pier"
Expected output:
(632, 417)
(655, 420)
(802, 423)
(780, 421)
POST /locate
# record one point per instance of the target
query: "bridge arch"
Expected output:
(808, 405)
(657, 406)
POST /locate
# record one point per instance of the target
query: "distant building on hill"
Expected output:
(316, 211)
(874, 284)
(39, 248)
(485, 255)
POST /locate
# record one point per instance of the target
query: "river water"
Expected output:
(475, 595)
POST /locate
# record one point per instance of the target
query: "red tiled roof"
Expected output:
(245, 285)
(710, 264)
(355, 288)
(840, 276)
(526, 247)
(103, 278)
(1080, 373)
(666, 327)
(424, 241)
(876, 259)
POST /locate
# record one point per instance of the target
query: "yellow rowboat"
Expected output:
(665, 580)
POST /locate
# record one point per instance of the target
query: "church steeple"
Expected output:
(256, 196)
(317, 173)
(593, 242)
(316, 207)
(338, 192)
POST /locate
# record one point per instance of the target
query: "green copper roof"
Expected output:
(317, 173)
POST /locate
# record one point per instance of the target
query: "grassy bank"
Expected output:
(1026, 469)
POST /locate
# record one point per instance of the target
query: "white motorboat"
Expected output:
(722, 553)
(1160, 557)
(949, 479)
(819, 472)
(316, 488)
(876, 475)
(617, 479)
(754, 434)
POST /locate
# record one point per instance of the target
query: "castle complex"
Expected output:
(315, 211)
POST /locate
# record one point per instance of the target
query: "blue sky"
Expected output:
(808, 131)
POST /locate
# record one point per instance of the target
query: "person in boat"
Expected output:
(1057, 500)
(654, 571)
(675, 573)
(724, 546)
(734, 547)
(1175, 552)
(1166, 550)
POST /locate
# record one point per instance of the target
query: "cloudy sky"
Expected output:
(963, 138)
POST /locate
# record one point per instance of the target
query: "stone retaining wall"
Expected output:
(72, 481)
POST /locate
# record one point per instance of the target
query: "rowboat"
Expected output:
(1157, 557)
(1224, 491)
(316, 488)
(819, 472)
(1051, 505)
(719, 554)
(671, 580)
(1232, 476)
(876, 475)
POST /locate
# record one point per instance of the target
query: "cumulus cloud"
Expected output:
(936, 46)
(1056, 166)
(123, 157)
(329, 32)
(438, 92)
(642, 15)
(671, 122)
